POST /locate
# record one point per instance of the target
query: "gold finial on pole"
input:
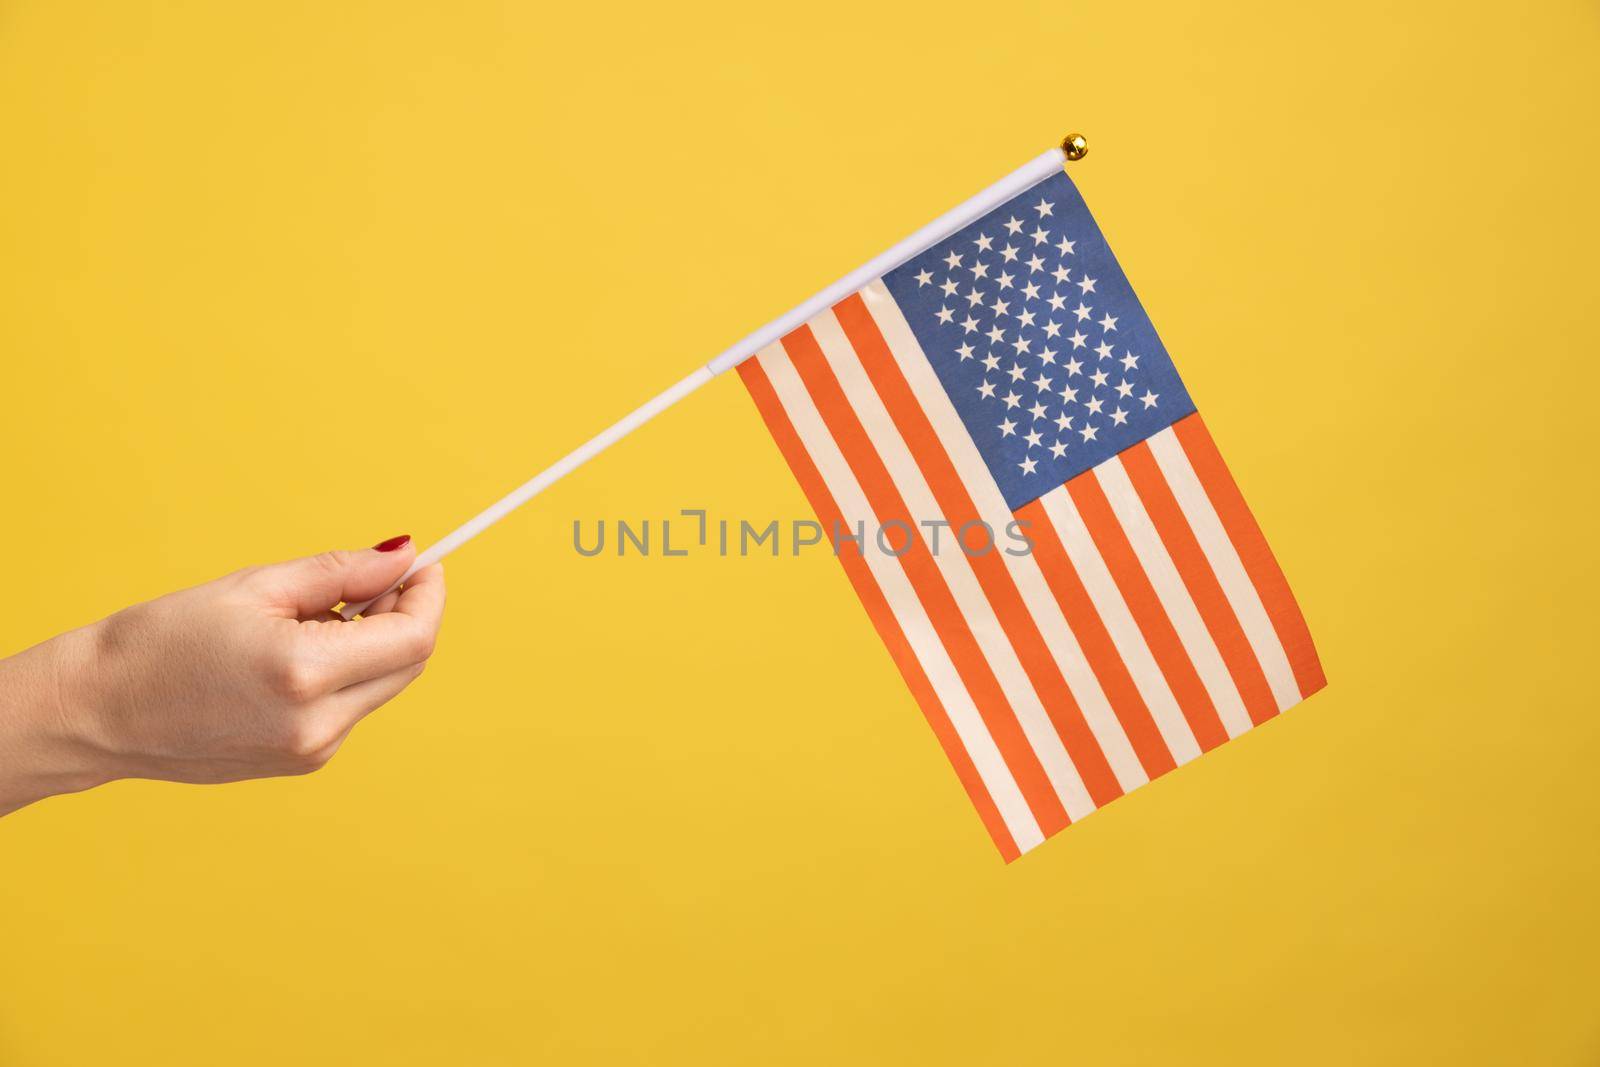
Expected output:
(1075, 145)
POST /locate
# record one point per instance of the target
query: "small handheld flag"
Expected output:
(1008, 375)
(995, 371)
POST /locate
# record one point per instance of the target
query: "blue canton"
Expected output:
(1038, 338)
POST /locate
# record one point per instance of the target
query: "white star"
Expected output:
(1088, 433)
(1094, 405)
(945, 315)
(1052, 329)
(1012, 400)
(965, 352)
(1149, 399)
(1017, 373)
(1037, 411)
(1021, 344)
(1083, 311)
(1063, 421)
(975, 297)
(986, 390)
(969, 324)
(1043, 207)
(1068, 395)
(996, 334)
(1042, 382)
(980, 270)
(1130, 361)
(1124, 389)
(1058, 449)
(952, 261)
(1078, 339)
(1009, 253)
(991, 362)
(1002, 307)
(1060, 273)
(1104, 349)
(949, 286)
(924, 277)
(1099, 378)
(1027, 465)
(983, 242)
(1119, 417)
(1108, 323)
(1058, 302)
(1032, 437)
(1005, 280)
(1065, 246)
(1030, 291)
(1048, 355)
(1007, 428)
(1074, 367)
(1035, 264)
(1026, 318)
(1013, 225)
(1040, 235)
(1086, 284)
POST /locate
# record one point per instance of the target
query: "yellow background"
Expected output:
(276, 277)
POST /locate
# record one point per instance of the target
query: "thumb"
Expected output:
(310, 586)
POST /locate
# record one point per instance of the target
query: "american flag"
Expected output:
(1008, 374)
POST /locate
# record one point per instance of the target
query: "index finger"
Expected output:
(422, 597)
(375, 645)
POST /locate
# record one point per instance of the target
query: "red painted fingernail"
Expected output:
(393, 543)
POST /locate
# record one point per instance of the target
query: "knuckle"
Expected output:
(296, 679)
(331, 562)
(299, 764)
(304, 744)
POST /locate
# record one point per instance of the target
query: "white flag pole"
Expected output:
(1029, 174)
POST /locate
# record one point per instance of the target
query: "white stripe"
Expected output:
(1030, 581)
(1227, 566)
(1125, 634)
(1174, 596)
(954, 565)
(914, 622)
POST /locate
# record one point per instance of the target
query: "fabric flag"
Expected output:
(1134, 616)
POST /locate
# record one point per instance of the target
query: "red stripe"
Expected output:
(1095, 640)
(878, 610)
(990, 569)
(887, 505)
(1251, 544)
(1148, 614)
(1201, 581)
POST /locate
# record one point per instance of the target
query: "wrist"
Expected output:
(48, 712)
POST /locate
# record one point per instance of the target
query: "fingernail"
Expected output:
(393, 543)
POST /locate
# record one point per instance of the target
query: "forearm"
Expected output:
(44, 709)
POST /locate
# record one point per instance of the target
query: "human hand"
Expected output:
(248, 676)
